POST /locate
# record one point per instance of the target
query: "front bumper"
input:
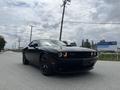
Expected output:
(74, 65)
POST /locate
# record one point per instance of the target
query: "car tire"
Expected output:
(25, 61)
(46, 68)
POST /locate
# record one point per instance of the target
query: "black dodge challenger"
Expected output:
(55, 56)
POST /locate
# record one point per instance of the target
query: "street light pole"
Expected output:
(31, 33)
(19, 42)
(64, 4)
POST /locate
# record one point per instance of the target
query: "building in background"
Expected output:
(107, 46)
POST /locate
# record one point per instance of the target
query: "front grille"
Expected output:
(79, 55)
(73, 65)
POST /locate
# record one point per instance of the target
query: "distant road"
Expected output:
(15, 76)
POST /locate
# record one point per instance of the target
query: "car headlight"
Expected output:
(95, 53)
(62, 54)
(92, 53)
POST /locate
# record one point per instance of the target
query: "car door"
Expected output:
(34, 52)
(29, 52)
(38, 53)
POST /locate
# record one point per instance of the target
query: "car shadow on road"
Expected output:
(91, 73)
(61, 79)
(88, 75)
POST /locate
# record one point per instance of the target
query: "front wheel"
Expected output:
(46, 67)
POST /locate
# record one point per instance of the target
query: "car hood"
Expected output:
(74, 49)
(68, 49)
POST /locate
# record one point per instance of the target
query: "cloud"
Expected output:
(17, 4)
(45, 15)
(107, 10)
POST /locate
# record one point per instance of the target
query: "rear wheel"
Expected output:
(25, 61)
(46, 67)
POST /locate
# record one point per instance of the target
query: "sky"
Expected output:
(16, 16)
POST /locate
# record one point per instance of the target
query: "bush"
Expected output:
(2, 43)
(109, 56)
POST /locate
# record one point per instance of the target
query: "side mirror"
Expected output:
(26, 48)
(34, 45)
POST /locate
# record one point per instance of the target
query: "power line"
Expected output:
(115, 23)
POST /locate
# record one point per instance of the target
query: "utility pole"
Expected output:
(31, 32)
(19, 41)
(64, 5)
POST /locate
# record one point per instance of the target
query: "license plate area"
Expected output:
(87, 62)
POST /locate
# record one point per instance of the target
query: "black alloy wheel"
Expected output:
(46, 67)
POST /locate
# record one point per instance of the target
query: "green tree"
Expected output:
(86, 43)
(82, 43)
(92, 44)
(2, 43)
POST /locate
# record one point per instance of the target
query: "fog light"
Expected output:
(62, 54)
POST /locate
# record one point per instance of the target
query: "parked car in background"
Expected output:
(55, 56)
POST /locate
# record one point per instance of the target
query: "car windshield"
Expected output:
(51, 43)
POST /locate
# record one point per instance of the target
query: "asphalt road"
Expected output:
(15, 76)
